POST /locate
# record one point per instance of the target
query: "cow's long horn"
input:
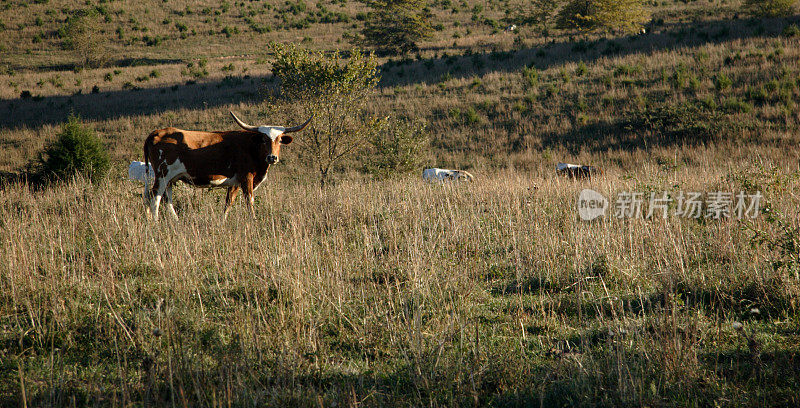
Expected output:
(299, 128)
(244, 125)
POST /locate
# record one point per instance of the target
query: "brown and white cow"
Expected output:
(233, 159)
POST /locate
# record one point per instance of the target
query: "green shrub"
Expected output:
(153, 41)
(564, 75)
(682, 121)
(708, 103)
(531, 76)
(791, 31)
(77, 150)
(582, 69)
(627, 70)
(82, 33)
(471, 116)
(758, 95)
(399, 148)
(735, 105)
(229, 31)
(198, 71)
(396, 26)
(624, 15)
(680, 76)
(722, 82)
(769, 8)
(308, 74)
(694, 83)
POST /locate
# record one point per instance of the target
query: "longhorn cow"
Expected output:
(237, 159)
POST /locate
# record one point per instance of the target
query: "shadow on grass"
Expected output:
(122, 62)
(778, 367)
(747, 302)
(36, 111)
(479, 62)
(622, 135)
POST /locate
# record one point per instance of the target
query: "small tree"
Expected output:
(82, 34)
(623, 15)
(77, 150)
(396, 26)
(336, 91)
(399, 148)
(770, 8)
(533, 12)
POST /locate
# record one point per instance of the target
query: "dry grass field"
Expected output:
(395, 292)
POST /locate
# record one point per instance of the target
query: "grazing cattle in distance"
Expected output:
(575, 171)
(232, 159)
(139, 171)
(434, 174)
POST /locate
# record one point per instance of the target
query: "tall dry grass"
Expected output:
(392, 293)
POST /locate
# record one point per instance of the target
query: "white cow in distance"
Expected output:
(137, 171)
(434, 174)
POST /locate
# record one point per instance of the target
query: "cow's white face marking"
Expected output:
(273, 132)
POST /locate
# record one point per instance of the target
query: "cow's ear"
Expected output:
(286, 139)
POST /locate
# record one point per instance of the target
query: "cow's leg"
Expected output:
(159, 187)
(229, 197)
(247, 190)
(170, 207)
(163, 182)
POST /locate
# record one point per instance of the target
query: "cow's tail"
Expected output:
(148, 143)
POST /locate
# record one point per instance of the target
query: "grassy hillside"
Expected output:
(394, 292)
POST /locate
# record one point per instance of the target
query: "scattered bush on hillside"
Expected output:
(687, 121)
(532, 12)
(395, 26)
(610, 15)
(82, 33)
(336, 91)
(76, 150)
(791, 31)
(769, 8)
(736, 105)
(531, 76)
(722, 82)
(582, 69)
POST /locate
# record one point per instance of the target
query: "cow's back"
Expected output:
(189, 139)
